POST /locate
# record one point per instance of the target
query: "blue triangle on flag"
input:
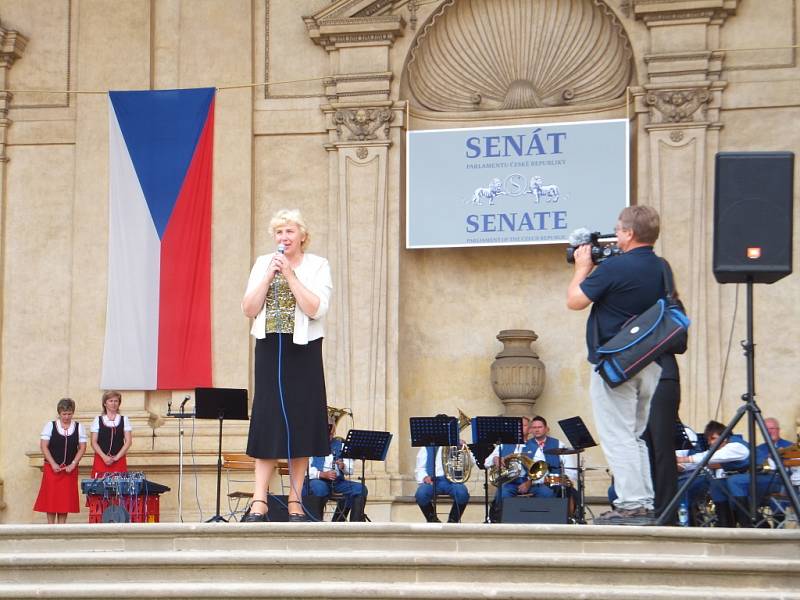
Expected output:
(161, 129)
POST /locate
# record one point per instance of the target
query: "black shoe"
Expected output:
(254, 517)
(298, 518)
(456, 512)
(430, 513)
(357, 510)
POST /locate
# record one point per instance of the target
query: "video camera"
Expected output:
(600, 250)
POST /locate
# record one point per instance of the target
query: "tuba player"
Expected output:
(429, 470)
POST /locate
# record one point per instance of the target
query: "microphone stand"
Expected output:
(180, 416)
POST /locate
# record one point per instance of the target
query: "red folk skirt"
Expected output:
(58, 492)
(99, 467)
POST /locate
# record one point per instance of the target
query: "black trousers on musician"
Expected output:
(660, 439)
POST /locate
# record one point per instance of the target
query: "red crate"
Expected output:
(143, 509)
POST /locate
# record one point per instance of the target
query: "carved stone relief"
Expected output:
(362, 123)
(518, 54)
(677, 106)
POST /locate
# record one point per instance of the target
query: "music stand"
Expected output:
(434, 432)
(220, 403)
(488, 432)
(580, 439)
(364, 444)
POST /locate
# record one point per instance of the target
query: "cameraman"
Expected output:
(618, 289)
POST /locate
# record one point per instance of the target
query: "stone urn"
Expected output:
(517, 373)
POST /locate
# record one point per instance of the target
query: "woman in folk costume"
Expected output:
(111, 437)
(63, 443)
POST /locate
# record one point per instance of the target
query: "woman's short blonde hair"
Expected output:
(286, 215)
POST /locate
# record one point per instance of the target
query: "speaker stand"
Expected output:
(754, 417)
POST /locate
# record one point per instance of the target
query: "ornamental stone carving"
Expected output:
(362, 123)
(678, 106)
(519, 54)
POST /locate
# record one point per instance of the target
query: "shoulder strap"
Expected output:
(669, 283)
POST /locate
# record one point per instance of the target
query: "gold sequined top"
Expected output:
(280, 314)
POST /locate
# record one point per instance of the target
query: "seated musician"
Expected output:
(732, 456)
(430, 470)
(767, 481)
(560, 468)
(327, 474)
(523, 483)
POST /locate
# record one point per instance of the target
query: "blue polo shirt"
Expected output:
(621, 287)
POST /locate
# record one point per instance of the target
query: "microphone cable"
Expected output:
(282, 401)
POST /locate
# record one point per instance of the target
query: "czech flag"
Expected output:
(158, 318)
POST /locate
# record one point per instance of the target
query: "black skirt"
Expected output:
(303, 383)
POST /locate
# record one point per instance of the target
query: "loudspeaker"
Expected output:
(753, 216)
(523, 509)
(278, 507)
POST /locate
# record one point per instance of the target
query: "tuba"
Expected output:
(457, 461)
(515, 466)
(335, 415)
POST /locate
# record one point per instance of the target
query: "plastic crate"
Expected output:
(143, 509)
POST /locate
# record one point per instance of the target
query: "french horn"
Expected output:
(515, 466)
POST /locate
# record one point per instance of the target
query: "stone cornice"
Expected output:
(660, 12)
(354, 22)
(12, 44)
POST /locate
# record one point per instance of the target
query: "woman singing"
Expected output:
(111, 437)
(63, 443)
(288, 294)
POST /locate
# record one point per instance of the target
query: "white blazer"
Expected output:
(314, 273)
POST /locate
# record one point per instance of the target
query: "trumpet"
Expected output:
(457, 461)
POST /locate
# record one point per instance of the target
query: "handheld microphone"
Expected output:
(169, 407)
(185, 400)
(579, 237)
(281, 248)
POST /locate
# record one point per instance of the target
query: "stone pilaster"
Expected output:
(678, 136)
(364, 128)
(12, 44)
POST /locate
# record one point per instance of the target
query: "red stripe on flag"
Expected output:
(184, 325)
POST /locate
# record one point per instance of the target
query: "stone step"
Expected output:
(370, 566)
(399, 560)
(390, 591)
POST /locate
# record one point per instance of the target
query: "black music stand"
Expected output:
(434, 432)
(364, 445)
(580, 439)
(488, 432)
(220, 403)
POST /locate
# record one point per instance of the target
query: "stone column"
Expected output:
(677, 135)
(364, 141)
(12, 43)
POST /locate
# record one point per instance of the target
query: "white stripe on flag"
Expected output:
(130, 356)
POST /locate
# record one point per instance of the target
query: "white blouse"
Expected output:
(314, 273)
(47, 431)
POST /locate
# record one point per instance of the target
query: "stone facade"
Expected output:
(410, 333)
